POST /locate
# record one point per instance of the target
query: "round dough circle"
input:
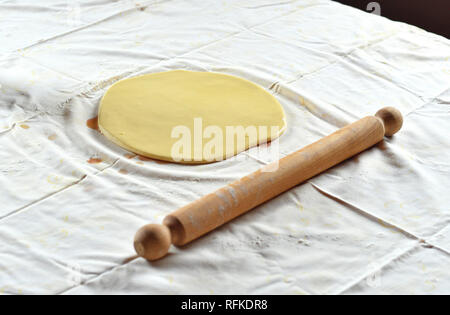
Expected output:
(140, 114)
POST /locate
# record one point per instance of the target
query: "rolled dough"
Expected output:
(140, 114)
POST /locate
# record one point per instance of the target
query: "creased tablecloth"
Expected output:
(70, 201)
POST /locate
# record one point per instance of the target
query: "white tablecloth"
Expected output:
(378, 223)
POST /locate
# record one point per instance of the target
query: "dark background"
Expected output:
(431, 15)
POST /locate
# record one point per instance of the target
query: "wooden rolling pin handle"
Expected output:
(211, 211)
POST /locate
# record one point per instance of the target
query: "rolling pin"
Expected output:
(188, 223)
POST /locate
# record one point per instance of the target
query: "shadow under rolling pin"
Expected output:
(211, 211)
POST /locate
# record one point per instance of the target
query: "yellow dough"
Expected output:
(146, 115)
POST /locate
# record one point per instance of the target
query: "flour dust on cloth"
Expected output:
(167, 115)
(71, 200)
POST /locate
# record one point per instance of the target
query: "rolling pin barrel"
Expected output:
(204, 215)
